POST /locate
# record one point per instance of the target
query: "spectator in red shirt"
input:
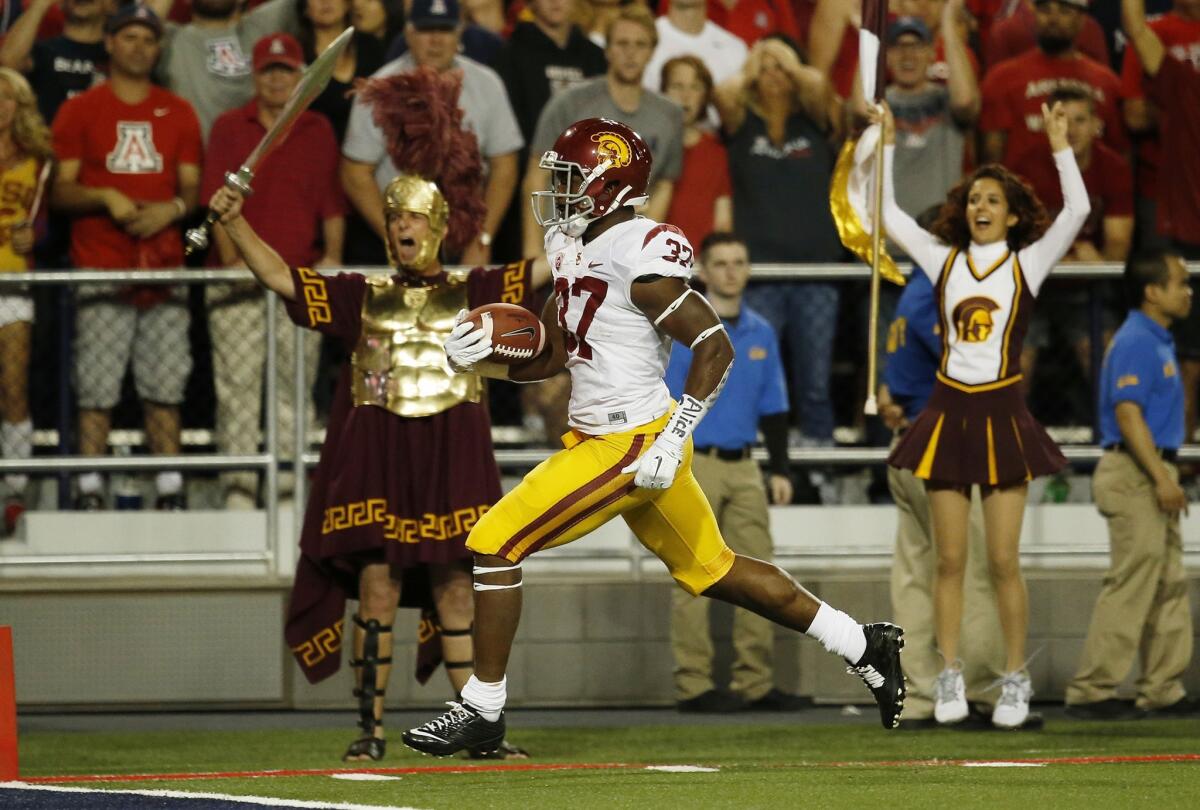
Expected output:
(750, 19)
(1179, 31)
(1014, 91)
(301, 213)
(1106, 235)
(702, 202)
(129, 172)
(1016, 34)
(1174, 86)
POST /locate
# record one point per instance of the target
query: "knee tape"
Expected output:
(482, 570)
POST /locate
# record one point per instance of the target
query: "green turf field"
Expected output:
(773, 766)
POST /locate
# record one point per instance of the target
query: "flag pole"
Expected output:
(871, 406)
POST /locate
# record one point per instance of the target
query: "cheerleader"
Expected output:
(24, 150)
(987, 255)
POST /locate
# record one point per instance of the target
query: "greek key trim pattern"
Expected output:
(323, 644)
(429, 526)
(316, 296)
(514, 283)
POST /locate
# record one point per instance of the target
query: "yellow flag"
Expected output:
(850, 199)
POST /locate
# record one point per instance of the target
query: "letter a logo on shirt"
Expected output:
(225, 57)
(134, 152)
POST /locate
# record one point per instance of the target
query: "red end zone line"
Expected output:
(584, 766)
(163, 777)
(1097, 760)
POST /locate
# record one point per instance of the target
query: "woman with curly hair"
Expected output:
(24, 152)
(989, 251)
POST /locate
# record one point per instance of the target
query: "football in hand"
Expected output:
(516, 333)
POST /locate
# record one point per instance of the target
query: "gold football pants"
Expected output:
(581, 487)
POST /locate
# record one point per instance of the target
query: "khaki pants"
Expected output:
(739, 500)
(1142, 611)
(239, 347)
(981, 643)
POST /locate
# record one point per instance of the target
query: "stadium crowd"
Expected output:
(142, 109)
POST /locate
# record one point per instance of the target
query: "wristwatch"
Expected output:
(485, 239)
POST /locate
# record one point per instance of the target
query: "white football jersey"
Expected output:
(616, 355)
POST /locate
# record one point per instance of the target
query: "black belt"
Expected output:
(740, 454)
(1167, 453)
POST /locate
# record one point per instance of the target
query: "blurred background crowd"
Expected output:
(140, 110)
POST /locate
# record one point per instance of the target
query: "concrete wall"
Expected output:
(584, 641)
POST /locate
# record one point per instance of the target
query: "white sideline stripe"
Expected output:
(268, 801)
(358, 776)
(682, 769)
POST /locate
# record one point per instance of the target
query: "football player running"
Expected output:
(620, 297)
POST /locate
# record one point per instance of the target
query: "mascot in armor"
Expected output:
(407, 467)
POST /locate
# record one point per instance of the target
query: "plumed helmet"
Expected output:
(596, 166)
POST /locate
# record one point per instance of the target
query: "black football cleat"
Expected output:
(880, 670)
(459, 729)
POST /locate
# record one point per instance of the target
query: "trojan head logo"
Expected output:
(613, 148)
(973, 319)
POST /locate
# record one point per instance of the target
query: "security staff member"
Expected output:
(914, 349)
(755, 396)
(1143, 607)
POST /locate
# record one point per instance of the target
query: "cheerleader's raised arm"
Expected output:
(1039, 259)
(925, 249)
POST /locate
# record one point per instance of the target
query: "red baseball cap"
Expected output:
(277, 49)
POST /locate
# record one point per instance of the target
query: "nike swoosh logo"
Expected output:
(595, 264)
(524, 330)
(161, 111)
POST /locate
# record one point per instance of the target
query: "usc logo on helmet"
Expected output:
(614, 148)
(973, 319)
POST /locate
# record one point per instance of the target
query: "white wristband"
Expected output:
(181, 205)
(683, 421)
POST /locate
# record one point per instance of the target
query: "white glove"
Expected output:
(467, 344)
(657, 467)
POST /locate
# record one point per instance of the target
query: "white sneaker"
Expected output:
(1012, 709)
(949, 697)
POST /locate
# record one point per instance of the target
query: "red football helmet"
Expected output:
(596, 166)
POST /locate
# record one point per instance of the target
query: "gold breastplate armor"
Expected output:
(399, 363)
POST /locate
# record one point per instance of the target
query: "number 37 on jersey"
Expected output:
(594, 303)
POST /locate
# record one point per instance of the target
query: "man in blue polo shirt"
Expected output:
(755, 397)
(914, 349)
(1143, 607)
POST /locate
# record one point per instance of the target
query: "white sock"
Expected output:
(486, 698)
(838, 633)
(169, 482)
(91, 483)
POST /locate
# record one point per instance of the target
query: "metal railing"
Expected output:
(269, 461)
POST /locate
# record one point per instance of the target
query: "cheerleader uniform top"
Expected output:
(985, 293)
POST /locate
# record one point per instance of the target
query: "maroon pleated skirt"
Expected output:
(977, 437)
